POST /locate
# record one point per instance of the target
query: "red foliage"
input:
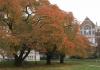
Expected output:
(68, 43)
(52, 12)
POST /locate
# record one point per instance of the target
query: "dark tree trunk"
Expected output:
(48, 59)
(62, 56)
(19, 58)
(18, 62)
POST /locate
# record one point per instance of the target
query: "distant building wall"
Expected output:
(88, 29)
(33, 56)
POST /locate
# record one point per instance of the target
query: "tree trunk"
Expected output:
(18, 62)
(3, 57)
(62, 56)
(48, 59)
(19, 58)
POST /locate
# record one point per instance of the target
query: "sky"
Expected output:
(81, 8)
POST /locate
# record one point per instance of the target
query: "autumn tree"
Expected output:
(50, 31)
(83, 47)
(23, 18)
(36, 24)
(68, 34)
(17, 16)
(74, 44)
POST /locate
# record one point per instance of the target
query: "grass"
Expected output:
(69, 65)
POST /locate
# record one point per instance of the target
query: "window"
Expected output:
(87, 28)
(93, 32)
(84, 32)
(89, 32)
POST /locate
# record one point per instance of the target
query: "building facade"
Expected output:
(88, 29)
(33, 56)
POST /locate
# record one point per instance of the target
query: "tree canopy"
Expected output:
(39, 25)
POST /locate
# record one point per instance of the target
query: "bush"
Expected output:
(76, 57)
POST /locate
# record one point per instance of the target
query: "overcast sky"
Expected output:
(81, 8)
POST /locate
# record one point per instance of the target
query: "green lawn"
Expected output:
(69, 65)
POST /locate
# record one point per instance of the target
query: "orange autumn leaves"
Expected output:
(77, 47)
(53, 13)
(49, 29)
(14, 8)
(70, 43)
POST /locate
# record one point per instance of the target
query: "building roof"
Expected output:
(87, 21)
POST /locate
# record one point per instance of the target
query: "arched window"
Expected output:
(87, 30)
(87, 27)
